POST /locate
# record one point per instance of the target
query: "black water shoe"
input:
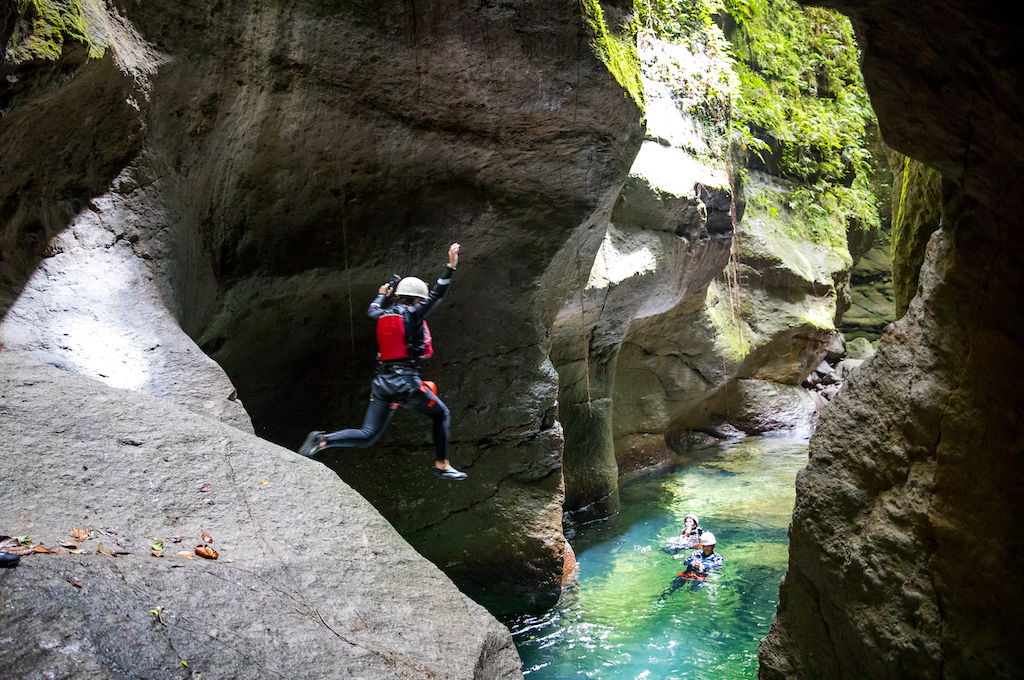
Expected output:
(311, 446)
(9, 559)
(449, 473)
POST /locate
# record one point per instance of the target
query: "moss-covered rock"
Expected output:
(917, 209)
(614, 42)
(44, 27)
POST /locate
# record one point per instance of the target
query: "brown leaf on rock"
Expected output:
(73, 581)
(76, 552)
(59, 551)
(104, 551)
(18, 550)
(176, 539)
(207, 552)
(186, 553)
(205, 487)
(157, 553)
(39, 549)
(68, 544)
(78, 534)
(207, 538)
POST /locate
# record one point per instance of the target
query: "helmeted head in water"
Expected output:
(707, 542)
(686, 522)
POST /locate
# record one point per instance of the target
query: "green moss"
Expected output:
(917, 208)
(617, 52)
(801, 81)
(796, 99)
(703, 81)
(733, 336)
(803, 100)
(46, 26)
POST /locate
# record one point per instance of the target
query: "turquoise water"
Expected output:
(625, 620)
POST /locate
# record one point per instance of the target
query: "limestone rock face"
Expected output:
(919, 457)
(94, 307)
(270, 166)
(669, 337)
(767, 323)
(666, 237)
(310, 580)
(872, 295)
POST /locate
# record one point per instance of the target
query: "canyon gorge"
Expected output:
(198, 201)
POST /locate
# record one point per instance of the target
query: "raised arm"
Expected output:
(440, 287)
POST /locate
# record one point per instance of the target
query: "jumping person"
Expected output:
(404, 341)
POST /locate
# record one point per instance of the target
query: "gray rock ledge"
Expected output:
(311, 582)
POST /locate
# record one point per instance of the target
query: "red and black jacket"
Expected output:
(403, 337)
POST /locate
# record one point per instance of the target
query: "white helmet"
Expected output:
(696, 522)
(707, 538)
(410, 286)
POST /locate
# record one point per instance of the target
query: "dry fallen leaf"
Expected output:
(186, 553)
(206, 551)
(76, 552)
(68, 544)
(40, 549)
(18, 550)
(101, 549)
(265, 481)
(207, 538)
(73, 581)
(205, 487)
(176, 539)
(59, 551)
(78, 534)
(157, 553)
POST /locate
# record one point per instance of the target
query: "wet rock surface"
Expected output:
(310, 580)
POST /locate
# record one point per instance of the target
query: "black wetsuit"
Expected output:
(398, 383)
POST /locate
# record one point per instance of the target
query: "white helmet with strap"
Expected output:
(410, 286)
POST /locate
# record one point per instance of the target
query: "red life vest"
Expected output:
(393, 341)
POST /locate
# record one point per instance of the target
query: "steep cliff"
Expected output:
(906, 539)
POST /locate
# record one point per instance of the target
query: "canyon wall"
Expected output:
(717, 286)
(906, 540)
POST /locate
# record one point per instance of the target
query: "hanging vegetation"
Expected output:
(794, 98)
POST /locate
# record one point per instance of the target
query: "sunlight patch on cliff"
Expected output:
(612, 265)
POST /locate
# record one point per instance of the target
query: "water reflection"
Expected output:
(625, 621)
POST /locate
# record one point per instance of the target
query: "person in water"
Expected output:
(689, 539)
(700, 562)
(404, 342)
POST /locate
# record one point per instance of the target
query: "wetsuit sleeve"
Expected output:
(713, 562)
(421, 311)
(376, 307)
(693, 558)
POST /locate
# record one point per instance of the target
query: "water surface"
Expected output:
(626, 619)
